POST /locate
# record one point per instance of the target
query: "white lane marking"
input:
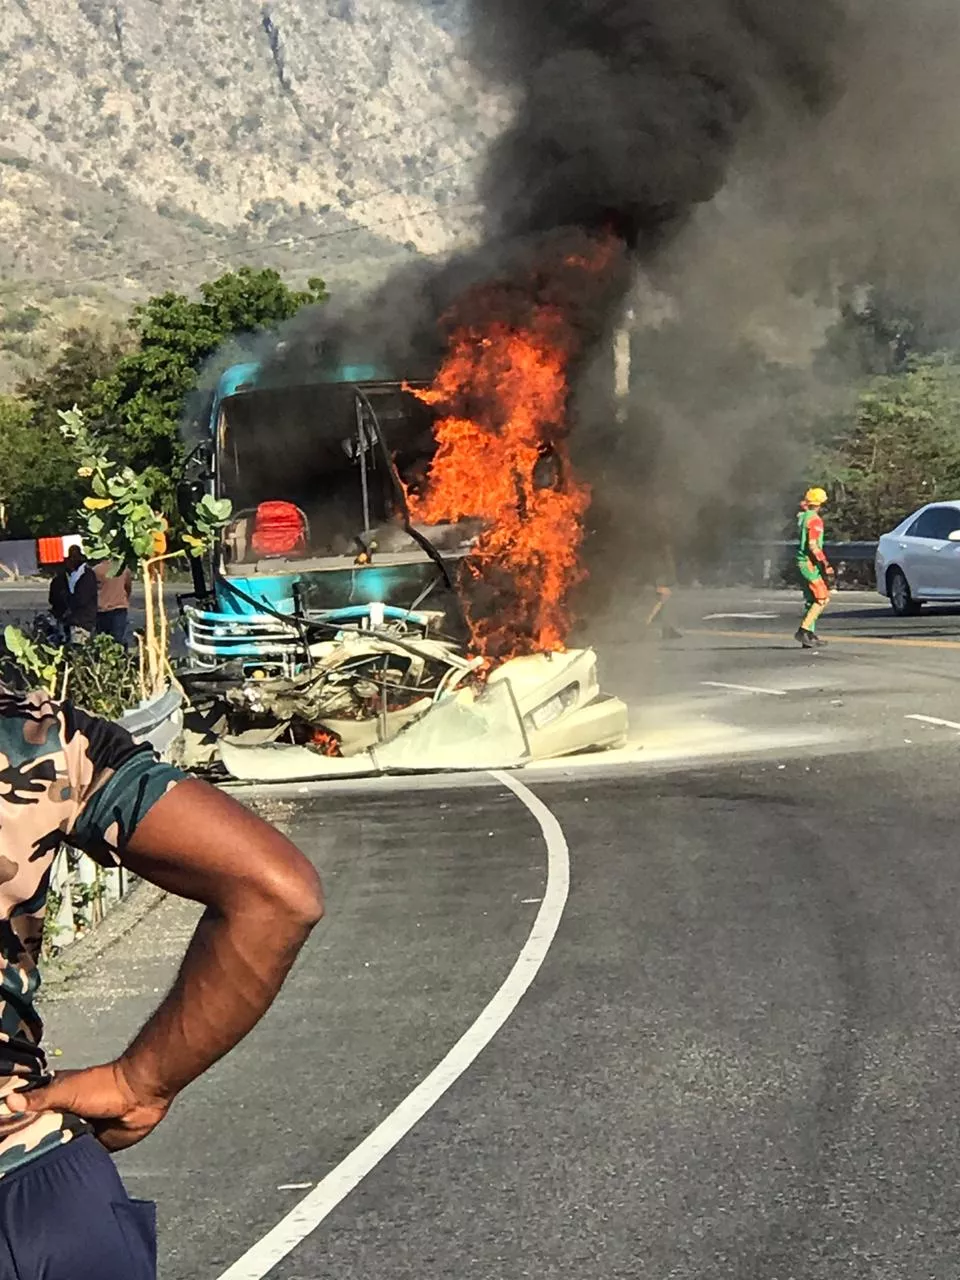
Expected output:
(945, 724)
(744, 688)
(748, 617)
(308, 1214)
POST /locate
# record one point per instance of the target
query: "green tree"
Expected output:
(141, 403)
(85, 359)
(133, 391)
(39, 489)
(899, 449)
(38, 481)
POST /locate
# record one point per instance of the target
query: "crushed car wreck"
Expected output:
(338, 636)
(391, 698)
(530, 708)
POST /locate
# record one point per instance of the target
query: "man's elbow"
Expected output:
(310, 906)
(297, 898)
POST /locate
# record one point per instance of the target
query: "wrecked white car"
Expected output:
(372, 701)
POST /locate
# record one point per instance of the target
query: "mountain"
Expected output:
(151, 144)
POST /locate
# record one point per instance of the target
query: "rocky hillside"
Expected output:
(146, 144)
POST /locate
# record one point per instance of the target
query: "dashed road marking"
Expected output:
(744, 688)
(306, 1216)
(944, 724)
(746, 617)
(891, 642)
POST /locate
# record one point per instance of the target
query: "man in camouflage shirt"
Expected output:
(68, 777)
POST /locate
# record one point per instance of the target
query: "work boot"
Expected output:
(806, 638)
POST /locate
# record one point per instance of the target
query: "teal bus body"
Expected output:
(250, 376)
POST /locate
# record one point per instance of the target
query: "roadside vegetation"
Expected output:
(118, 522)
(899, 448)
(896, 444)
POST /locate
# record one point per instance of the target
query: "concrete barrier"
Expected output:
(158, 721)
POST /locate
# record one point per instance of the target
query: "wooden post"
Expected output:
(163, 631)
(157, 630)
(150, 638)
(142, 656)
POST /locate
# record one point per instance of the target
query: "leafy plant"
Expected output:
(209, 515)
(101, 676)
(122, 525)
(40, 664)
(119, 521)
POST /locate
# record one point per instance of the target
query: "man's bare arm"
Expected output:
(262, 897)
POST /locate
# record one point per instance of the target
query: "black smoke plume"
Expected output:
(629, 110)
(627, 115)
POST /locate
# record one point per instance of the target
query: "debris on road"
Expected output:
(388, 700)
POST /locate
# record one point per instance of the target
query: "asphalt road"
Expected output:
(739, 1057)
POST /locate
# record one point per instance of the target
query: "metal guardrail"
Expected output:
(771, 563)
(851, 552)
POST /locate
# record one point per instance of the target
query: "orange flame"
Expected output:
(502, 459)
(326, 742)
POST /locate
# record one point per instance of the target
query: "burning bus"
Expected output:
(318, 477)
(390, 590)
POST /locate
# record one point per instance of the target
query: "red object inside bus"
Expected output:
(279, 529)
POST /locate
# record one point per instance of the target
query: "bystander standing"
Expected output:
(81, 617)
(64, 1213)
(114, 585)
(59, 600)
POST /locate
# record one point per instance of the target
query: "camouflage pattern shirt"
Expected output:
(65, 777)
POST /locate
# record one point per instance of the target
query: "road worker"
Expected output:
(813, 565)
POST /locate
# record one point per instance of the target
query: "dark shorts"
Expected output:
(66, 1216)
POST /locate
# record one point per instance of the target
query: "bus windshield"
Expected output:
(324, 450)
